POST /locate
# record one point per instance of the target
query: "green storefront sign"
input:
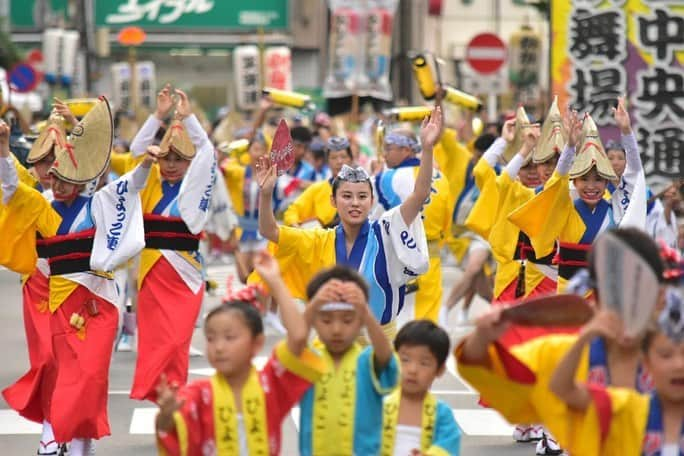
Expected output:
(217, 15)
(36, 13)
(152, 15)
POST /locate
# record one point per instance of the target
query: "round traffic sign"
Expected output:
(23, 77)
(486, 53)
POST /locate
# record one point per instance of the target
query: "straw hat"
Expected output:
(86, 157)
(51, 138)
(553, 135)
(177, 137)
(591, 153)
(512, 148)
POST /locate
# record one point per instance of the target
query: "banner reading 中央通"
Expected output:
(603, 49)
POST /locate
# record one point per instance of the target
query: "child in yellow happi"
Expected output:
(414, 420)
(393, 185)
(239, 411)
(613, 421)
(515, 380)
(313, 205)
(342, 412)
(552, 215)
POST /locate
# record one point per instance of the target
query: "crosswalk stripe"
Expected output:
(482, 422)
(473, 422)
(12, 423)
(142, 421)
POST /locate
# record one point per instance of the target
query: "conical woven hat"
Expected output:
(51, 138)
(512, 148)
(553, 135)
(87, 156)
(591, 153)
(177, 137)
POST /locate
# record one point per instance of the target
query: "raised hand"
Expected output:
(531, 134)
(490, 326)
(164, 102)
(605, 323)
(151, 156)
(265, 174)
(267, 266)
(352, 294)
(431, 130)
(331, 291)
(183, 108)
(168, 404)
(622, 117)
(63, 110)
(573, 126)
(4, 139)
(508, 130)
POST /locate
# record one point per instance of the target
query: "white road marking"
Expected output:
(142, 422)
(482, 422)
(12, 423)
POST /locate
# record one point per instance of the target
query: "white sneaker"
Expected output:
(194, 352)
(125, 343)
(272, 320)
(548, 446)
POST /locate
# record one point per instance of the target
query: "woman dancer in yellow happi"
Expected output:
(553, 216)
(388, 252)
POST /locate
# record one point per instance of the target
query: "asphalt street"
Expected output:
(484, 431)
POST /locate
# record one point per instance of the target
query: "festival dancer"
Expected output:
(392, 186)
(347, 401)
(388, 252)
(239, 410)
(176, 208)
(244, 193)
(83, 238)
(26, 393)
(470, 250)
(414, 421)
(515, 380)
(313, 205)
(552, 215)
(611, 420)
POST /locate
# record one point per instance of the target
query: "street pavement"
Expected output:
(485, 433)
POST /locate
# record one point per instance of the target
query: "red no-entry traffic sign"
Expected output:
(486, 53)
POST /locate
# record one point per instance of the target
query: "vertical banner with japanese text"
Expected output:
(602, 49)
(246, 72)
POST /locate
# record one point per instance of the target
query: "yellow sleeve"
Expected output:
(302, 208)
(503, 237)
(544, 216)
(309, 365)
(621, 412)
(452, 158)
(483, 214)
(123, 163)
(517, 384)
(509, 396)
(234, 175)
(301, 254)
(26, 212)
(24, 174)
